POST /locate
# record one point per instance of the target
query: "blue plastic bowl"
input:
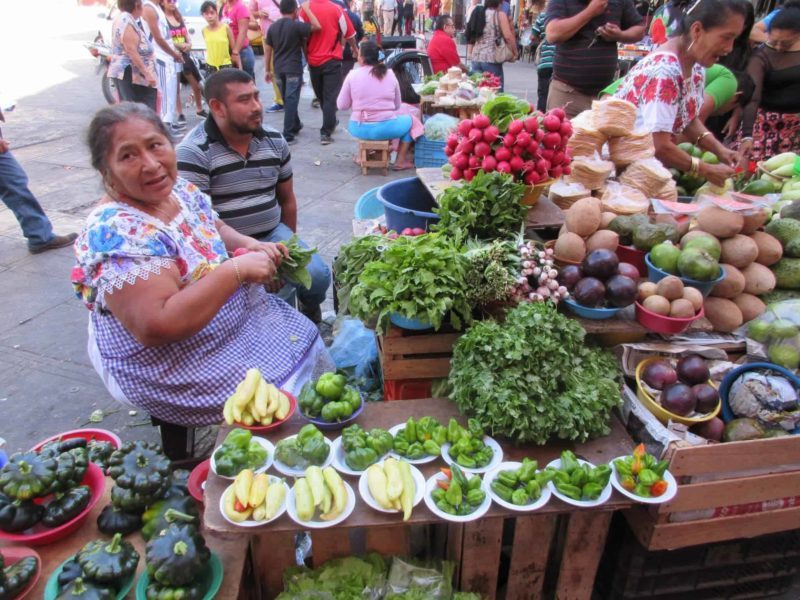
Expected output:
(655, 274)
(368, 206)
(335, 425)
(407, 203)
(591, 313)
(3, 459)
(404, 323)
(730, 378)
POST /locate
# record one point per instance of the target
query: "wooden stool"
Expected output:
(373, 155)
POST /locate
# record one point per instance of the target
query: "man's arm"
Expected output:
(267, 58)
(149, 15)
(284, 192)
(312, 19)
(562, 29)
(611, 32)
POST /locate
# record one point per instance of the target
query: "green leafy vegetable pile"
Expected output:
(338, 579)
(532, 378)
(350, 262)
(493, 271)
(488, 207)
(293, 268)
(417, 277)
(504, 108)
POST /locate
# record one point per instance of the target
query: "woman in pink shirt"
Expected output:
(267, 12)
(372, 94)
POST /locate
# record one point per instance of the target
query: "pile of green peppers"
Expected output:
(329, 398)
(362, 449)
(642, 473)
(307, 448)
(579, 481)
(420, 438)
(466, 445)
(459, 496)
(238, 451)
(523, 485)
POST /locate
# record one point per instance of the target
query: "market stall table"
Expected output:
(474, 546)
(232, 551)
(428, 106)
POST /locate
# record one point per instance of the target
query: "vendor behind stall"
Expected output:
(667, 86)
(175, 322)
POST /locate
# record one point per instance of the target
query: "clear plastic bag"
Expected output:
(775, 335)
(355, 351)
(433, 581)
(439, 126)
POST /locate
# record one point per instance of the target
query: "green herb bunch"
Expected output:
(350, 262)
(293, 268)
(532, 378)
(487, 208)
(504, 108)
(418, 277)
(493, 271)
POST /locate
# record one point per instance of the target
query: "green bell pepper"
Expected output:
(592, 490)
(440, 435)
(648, 477)
(533, 489)
(400, 443)
(336, 411)
(416, 451)
(560, 476)
(600, 474)
(379, 440)
(438, 494)
(520, 497)
(352, 397)
(353, 437)
(230, 462)
(474, 427)
(308, 432)
(454, 431)
(425, 428)
(504, 492)
(315, 451)
(642, 490)
(466, 461)
(330, 386)
(660, 468)
(527, 471)
(578, 477)
(542, 477)
(484, 457)
(476, 497)
(454, 494)
(474, 483)
(310, 401)
(508, 478)
(459, 476)
(237, 438)
(569, 462)
(623, 466)
(570, 491)
(432, 447)
(360, 458)
(445, 507)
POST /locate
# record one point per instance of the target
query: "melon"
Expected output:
(719, 222)
(739, 251)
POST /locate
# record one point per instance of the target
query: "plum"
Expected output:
(693, 369)
(678, 399)
(659, 374)
(589, 292)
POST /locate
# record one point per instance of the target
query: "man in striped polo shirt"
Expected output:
(246, 170)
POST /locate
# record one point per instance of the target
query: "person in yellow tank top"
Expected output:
(219, 39)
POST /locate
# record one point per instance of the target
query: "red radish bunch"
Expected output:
(533, 149)
(489, 80)
(538, 279)
(413, 231)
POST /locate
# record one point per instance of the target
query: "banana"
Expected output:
(409, 488)
(227, 411)
(394, 482)
(259, 405)
(275, 496)
(376, 482)
(304, 501)
(245, 394)
(339, 492)
(274, 399)
(242, 485)
(258, 490)
(283, 406)
(317, 484)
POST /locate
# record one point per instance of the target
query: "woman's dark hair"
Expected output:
(207, 6)
(441, 22)
(711, 13)
(370, 53)
(101, 129)
(740, 54)
(491, 3)
(788, 19)
(476, 24)
(127, 5)
(214, 86)
(745, 86)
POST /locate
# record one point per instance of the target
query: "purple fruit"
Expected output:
(693, 369)
(600, 263)
(707, 397)
(621, 291)
(678, 399)
(569, 276)
(711, 430)
(629, 270)
(589, 292)
(659, 374)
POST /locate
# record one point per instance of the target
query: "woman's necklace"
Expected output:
(167, 219)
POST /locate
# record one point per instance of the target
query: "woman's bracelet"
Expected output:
(238, 273)
(701, 137)
(695, 168)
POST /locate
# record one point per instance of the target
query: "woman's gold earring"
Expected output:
(690, 46)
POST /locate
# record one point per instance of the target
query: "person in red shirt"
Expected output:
(325, 59)
(442, 47)
(433, 8)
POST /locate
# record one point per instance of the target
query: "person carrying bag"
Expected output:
(490, 40)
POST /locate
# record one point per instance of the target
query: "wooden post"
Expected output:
(480, 556)
(533, 536)
(329, 543)
(583, 548)
(388, 541)
(272, 554)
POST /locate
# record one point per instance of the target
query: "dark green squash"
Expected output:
(67, 507)
(70, 571)
(177, 556)
(27, 476)
(156, 591)
(156, 517)
(107, 562)
(112, 520)
(81, 589)
(100, 452)
(140, 467)
(17, 576)
(16, 515)
(130, 501)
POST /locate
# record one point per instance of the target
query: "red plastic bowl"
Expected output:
(197, 478)
(661, 324)
(629, 254)
(274, 424)
(100, 435)
(13, 555)
(40, 535)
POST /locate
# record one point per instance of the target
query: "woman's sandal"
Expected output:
(402, 166)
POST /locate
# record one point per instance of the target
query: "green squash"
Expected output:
(177, 556)
(27, 475)
(156, 591)
(108, 562)
(140, 467)
(170, 510)
(81, 589)
(17, 576)
(112, 520)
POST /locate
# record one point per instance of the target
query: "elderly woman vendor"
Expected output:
(667, 86)
(175, 321)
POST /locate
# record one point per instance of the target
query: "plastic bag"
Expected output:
(432, 581)
(775, 335)
(439, 126)
(355, 351)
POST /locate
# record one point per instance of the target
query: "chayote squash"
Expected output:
(140, 467)
(177, 555)
(107, 562)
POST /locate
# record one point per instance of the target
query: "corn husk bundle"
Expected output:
(648, 176)
(590, 172)
(585, 140)
(614, 117)
(630, 148)
(564, 194)
(623, 200)
(668, 192)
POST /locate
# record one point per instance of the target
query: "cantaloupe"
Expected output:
(751, 306)
(732, 285)
(603, 238)
(739, 251)
(570, 246)
(583, 217)
(758, 279)
(719, 222)
(769, 248)
(724, 315)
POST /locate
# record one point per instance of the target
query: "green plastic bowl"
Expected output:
(52, 589)
(212, 579)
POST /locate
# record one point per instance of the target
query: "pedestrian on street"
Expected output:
(442, 48)
(545, 53)
(283, 48)
(408, 16)
(325, 54)
(132, 64)
(268, 12)
(487, 24)
(433, 9)
(16, 195)
(388, 8)
(246, 169)
(397, 24)
(187, 72)
(237, 17)
(586, 36)
(157, 28)
(348, 60)
(218, 38)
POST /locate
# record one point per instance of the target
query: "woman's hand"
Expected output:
(744, 152)
(276, 252)
(150, 78)
(731, 125)
(256, 267)
(716, 174)
(728, 156)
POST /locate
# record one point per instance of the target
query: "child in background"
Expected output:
(219, 39)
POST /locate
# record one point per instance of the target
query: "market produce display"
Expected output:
(778, 330)
(420, 438)
(256, 402)
(99, 570)
(321, 493)
(764, 402)
(467, 447)
(781, 167)
(329, 398)
(533, 378)
(238, 451)
(309, 447)
(15, 578)
(100, 452)
(455, 494)
(578, 480)
(641, 473)
(362, 448)
(599, 282)
(178, 563)
(683, 389)
(522, 486)
(670, 297)
(689, 184)
(691, 260)
(392, 485)
(254, 497)
(173, 509)
(350, 262)
(456, 88)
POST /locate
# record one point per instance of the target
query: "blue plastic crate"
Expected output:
(429, 153)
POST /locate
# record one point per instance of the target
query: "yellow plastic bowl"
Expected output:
(659, 411)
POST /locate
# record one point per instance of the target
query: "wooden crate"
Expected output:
(416, 355)
(724, 475)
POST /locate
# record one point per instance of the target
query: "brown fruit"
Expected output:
(694, 296)
(754, 221)
(724, 315)
(657, 304)
(681, 309)
(603, 238)
(681, 226)
(670, 287)
(583, 217)
(770, 250)
(758, 279)
(570, 246)
(751, 306)
(732, 285)
(606, 218)
(646, 289)
(739, 251)
(719, 222)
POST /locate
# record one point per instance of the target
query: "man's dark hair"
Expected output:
(207, 6)
(745, 86)
(216, 84)
(441, 22)
(127, 5)
(288, 7)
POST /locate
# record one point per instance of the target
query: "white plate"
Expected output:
(477, 514)
(497, 456)
(513, 466)
(266, 444)
(339, 463)
(419, 490)
(416, 461)
(250, 522)
(316, 523)
(672, 487)
(601, 499)
(297, 472)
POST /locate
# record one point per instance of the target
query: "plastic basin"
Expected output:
(664, 324)
(274, 424)
(368, 206)
(412, 324)
(633, 256)
(335, 425)
(407, 203)
(732, 376)
(659, 411)
(655, 274)
(98, 435)
(590, 313)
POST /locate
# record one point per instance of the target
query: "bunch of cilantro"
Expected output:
(532, 378)
(350, 262)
